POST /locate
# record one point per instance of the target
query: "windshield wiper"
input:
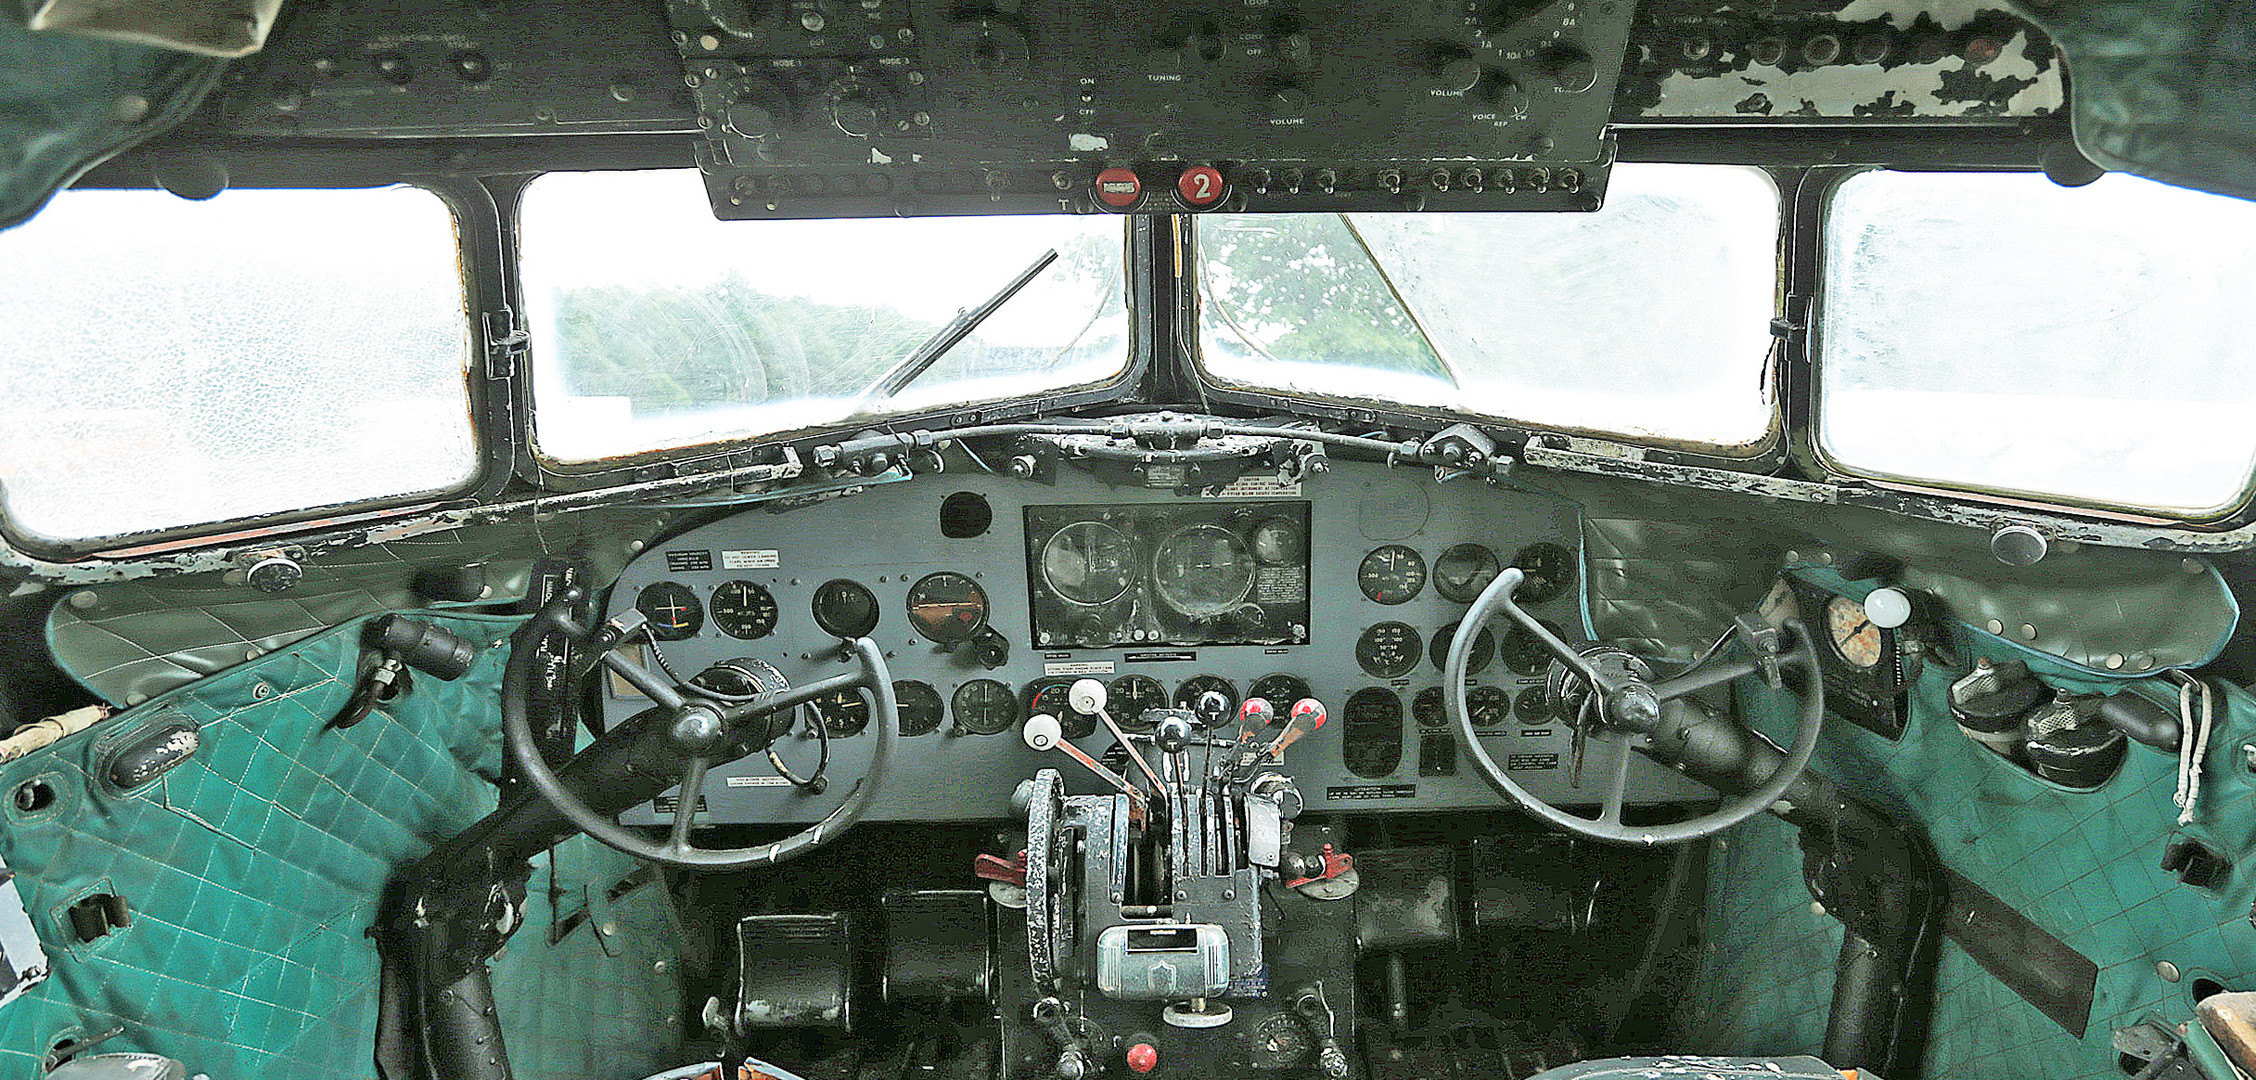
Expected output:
(968, 319)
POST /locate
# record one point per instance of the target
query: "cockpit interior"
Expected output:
(1120, 539)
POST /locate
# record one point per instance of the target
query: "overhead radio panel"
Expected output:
(820, 108)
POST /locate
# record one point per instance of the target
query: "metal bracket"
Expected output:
(506, 340)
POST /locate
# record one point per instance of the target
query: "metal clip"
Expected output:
(1766, 643)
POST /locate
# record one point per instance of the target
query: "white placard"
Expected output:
(751, 559)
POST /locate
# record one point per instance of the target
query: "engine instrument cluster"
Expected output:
(1349, 590)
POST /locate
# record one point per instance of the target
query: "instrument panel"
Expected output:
(1347, 589)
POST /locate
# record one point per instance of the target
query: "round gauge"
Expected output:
(744, 609)
(672, 609)
(1282, 691)
(1533, 707)
(1089, 562)
(1549, 569)
(845, 608)
(1054, 698)
(1388, 650)
(1202, 571)
(1854, 637)
(1489, 706)
(1371, 732)
(1280, 1042)
(1463, 571)
(1428, 710)
(1392, 574)
(1279, 542)
(843, 713)
(1192, 689)
(1484, 649)
(1525, 653)
(947, 607)
(984, 707)
(1128, 697)
(920, 706)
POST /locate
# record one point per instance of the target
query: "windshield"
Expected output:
(1650, 317)
(656, 326)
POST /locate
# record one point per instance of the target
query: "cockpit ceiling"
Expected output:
(914, 107)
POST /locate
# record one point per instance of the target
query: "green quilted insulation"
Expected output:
(2082, 865)
(253, 871)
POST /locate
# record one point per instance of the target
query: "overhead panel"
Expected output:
(817, 108)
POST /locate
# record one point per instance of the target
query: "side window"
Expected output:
(1998, 331)
(174, 363)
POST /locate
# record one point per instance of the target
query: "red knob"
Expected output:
(1142, 1058)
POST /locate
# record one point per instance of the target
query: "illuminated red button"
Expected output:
(1119, 188)
(1200, 186)
(1142, 1058)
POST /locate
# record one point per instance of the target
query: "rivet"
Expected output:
(1994, 626)
(2192, 565)
(1229, 894)
(608, 929)
(634, 545)
(708, 42)
(2167, 970)
(1817, 909)
(2142, 661)
(2028, 631)
(261, 691)
(85, 599)
(2114, 661)
(658, 966)
(1793, 556)
(253, 653)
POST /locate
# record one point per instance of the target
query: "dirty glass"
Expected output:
(1648, 318)
(172, 363)
(654, 325)
(2001, 331)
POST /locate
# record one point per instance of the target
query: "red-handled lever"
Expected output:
(1307, 715)
(1011, 871)
(1335, 864)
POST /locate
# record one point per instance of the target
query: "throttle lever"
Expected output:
(1043, 732)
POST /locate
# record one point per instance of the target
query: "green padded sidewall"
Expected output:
(2082, 865)
(253, 871)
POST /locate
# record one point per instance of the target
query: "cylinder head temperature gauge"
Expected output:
(1393, 574)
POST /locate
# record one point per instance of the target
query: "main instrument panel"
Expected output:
(991, 596)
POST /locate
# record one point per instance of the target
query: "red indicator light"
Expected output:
(1200, 186)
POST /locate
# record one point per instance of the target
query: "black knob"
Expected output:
(990, 648)
(1500, 92)
(1453, 69)
(1173, 733)
(749, 119)
(1570, 68)
(858, 108)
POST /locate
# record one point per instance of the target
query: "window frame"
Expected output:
(737, 451)
(1763, 455)
(1824, 186)
(487, 412)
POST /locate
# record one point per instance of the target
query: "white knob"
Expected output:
(1086, 696)
(1042, 731)
(1888, 607)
